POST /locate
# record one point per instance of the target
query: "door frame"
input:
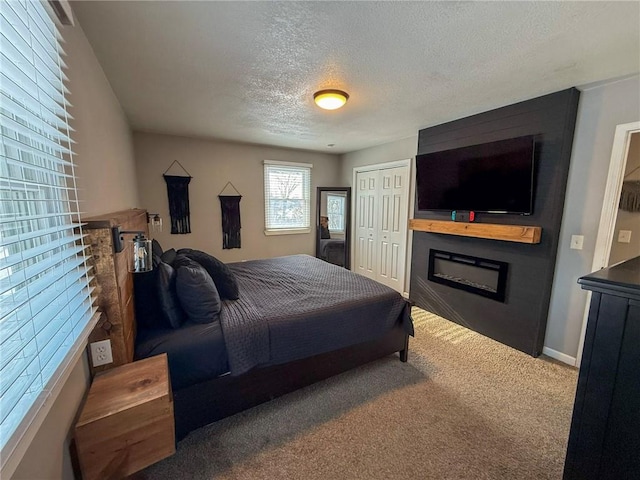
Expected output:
(408, 162)
(609, 213)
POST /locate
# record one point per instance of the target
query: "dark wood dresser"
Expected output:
(604, 441)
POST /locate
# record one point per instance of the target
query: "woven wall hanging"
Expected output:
(178, 194)
(230, 205)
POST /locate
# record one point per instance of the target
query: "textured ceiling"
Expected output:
(246, 71)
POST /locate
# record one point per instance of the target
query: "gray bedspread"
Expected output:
(297, 306)
(326, 243)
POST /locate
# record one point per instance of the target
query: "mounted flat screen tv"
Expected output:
(494, 177)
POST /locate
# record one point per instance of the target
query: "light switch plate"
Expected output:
(624, 236)
(577, 241)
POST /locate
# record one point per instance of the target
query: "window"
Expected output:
(46, 306)
(335, 212)
(286, 197)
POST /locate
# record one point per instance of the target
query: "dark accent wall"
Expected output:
(521, 320)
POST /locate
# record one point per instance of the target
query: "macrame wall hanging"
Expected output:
(178, 193)
(230, 205)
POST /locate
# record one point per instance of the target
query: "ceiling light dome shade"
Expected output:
(330, 99)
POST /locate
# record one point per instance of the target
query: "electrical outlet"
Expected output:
(624, 236)
(101, 353)
(577, 241)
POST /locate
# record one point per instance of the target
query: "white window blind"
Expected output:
(335, 212)
(287, 202)
(45, 294)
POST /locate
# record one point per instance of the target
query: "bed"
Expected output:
(297, 320)
(332, 251)
(329, 249)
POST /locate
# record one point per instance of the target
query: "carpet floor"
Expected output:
(463, 407)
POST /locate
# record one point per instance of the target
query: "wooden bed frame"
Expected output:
(206, 402)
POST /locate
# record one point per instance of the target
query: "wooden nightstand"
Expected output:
(126, 423)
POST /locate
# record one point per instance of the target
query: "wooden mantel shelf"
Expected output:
(508, 233)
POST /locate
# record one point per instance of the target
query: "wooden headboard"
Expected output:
(114, 283)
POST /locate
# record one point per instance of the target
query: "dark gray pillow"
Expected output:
(169, 256)
(167, 296)
(224, 279)
(146, 303)
(182, 260)
(198, 295)
(156, 248)
(156, 260)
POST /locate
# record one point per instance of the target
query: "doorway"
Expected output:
(381, 215)
(609, 227)
(626, 233)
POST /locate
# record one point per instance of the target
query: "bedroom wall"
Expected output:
(104, 145)
(387, 152)
(212, 164)
(602, 106)
(519, 320)
(104, 158)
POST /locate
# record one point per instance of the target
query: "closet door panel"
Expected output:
(385, 195)
(394, 198)
(382, 200)
(366, 224)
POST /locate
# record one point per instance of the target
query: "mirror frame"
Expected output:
(347, 221)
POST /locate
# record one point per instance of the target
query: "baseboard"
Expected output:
(563, 357)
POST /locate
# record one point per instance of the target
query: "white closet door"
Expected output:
(393, 197)
(366, 223)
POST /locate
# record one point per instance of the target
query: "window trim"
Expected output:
(286, 231)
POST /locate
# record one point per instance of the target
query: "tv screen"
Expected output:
(494, 177)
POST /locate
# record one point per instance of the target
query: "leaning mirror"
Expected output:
(333, 225)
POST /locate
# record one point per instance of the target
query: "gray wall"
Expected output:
(387, 152)
(104, 147)
(601, 108)
(107, 181)
(212, 164)
(520, 320)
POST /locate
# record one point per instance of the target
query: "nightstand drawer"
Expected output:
(127, 421)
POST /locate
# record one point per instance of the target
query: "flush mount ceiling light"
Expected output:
(330, 99)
